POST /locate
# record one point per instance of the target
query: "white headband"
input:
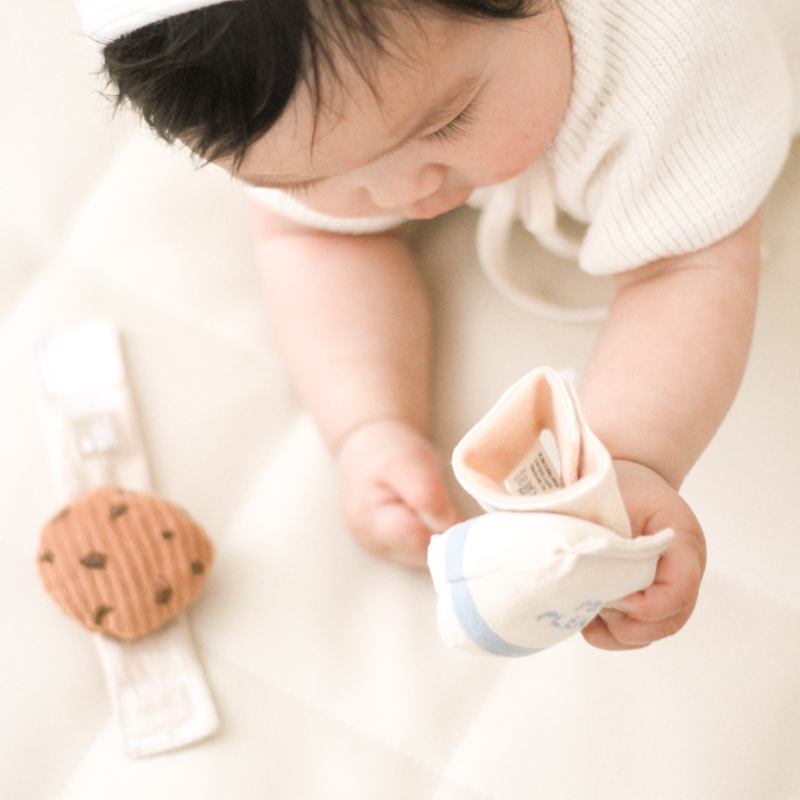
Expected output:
(106, 20)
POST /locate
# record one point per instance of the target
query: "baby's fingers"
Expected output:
(396, 533)
(394, 513)
(614, 630)
(658, 611)
(421, 488)
(673, 591)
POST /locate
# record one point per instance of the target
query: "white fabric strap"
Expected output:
(87, 413)
(106, 20)
(158, 691)
(534, 195)
(537, 204)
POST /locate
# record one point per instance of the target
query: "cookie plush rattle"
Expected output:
(122, 561)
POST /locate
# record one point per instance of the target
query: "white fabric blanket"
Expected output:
(326, 664)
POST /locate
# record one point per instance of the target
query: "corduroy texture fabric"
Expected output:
(122, 563)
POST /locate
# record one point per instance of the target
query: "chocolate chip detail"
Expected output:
(198, 568)
(167, 535)
(47, 557)
(118, 510)
(100, 613)
(94, 560)
(163, 593)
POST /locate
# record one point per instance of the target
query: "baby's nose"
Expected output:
(395, 191)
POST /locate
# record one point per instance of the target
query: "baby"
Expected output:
(658, 124)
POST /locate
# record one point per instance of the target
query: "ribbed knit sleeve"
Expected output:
(679, 121)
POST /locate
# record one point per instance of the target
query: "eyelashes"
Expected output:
(299, 189)
(456, 128)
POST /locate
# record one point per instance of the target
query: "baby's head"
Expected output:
(365, 107)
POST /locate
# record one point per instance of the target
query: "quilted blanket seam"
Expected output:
(431, 767)
(218, 332)
(758, 591)
(467, 730)
(79, 765)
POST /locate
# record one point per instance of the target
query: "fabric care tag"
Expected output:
(534, 474)
(158, 690)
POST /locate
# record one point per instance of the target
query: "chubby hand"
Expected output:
(664, 607)
(393, 494)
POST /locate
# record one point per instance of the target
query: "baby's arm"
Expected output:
(351, 318)
(661, 378)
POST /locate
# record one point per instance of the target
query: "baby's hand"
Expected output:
(664, 607)
(393, 494)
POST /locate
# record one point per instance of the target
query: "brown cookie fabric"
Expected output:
(123, 562)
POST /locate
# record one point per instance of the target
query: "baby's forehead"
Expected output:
(355, 115)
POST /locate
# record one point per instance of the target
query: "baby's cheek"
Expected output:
(497, 159)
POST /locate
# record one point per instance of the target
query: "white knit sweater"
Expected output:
(679, 121)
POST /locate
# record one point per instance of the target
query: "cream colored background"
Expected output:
(326, 664)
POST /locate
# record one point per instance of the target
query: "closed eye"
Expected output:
(298, 189)
(456, 128)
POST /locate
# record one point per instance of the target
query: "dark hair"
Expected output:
(222, 75)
